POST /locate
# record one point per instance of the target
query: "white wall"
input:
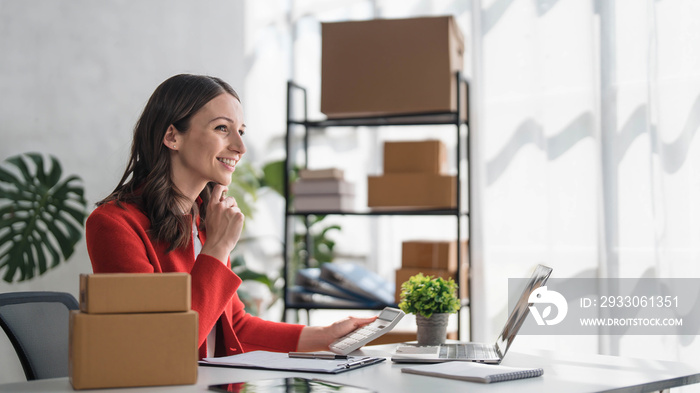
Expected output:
(74, 76)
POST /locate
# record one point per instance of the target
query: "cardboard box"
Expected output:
(432, 254)
(403, 274)
(415, 156)
(429, 254)
(135, 292)
(412, 190)
(120, 350)
(390, 66)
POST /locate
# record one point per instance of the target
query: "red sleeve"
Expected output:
(258, 334)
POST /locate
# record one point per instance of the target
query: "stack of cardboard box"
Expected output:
(414, 177)
(323, 190)
(133, 330)
(432, 258)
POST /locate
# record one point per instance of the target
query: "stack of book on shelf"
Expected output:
(341, 285)
(323, 190)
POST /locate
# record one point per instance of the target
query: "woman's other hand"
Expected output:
(224, 223)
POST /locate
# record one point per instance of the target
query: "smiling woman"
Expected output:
(170, 213)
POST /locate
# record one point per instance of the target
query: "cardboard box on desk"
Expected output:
(403, 274)
(412, 190)
(390, 66)
(415, 156)
(114, 293)
(123, 350)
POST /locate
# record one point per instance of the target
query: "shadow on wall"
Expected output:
(672, 155)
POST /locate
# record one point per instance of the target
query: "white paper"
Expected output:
(280, 361)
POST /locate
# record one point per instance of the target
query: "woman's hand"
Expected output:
(320, 338)
(224, 223)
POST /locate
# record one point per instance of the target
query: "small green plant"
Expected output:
(426, 295)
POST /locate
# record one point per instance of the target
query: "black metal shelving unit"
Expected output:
(455, 119)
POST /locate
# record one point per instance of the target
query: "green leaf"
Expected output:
(273, 176)
(39, 214)
(426, 295)
(55, 172)
(244, 187)
(8, 177)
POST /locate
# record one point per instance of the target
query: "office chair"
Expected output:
(37, 325)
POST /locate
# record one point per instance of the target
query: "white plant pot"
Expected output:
(433, 330)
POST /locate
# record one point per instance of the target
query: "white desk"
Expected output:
(562, 373)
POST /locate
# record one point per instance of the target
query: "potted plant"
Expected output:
(432, 300)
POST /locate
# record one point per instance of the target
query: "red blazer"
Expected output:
(118, 242)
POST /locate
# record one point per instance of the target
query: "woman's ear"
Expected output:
(170, 138)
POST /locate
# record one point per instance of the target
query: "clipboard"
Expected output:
(282, 362)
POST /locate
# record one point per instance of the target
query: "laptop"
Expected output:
(477, 352)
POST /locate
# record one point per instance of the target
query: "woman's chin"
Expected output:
(224, 181)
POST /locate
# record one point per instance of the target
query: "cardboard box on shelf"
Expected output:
(412, 190)
(415, 156)
(135, 292)
(404, 273)
(390, 66)
(124, 350)
(432, 254)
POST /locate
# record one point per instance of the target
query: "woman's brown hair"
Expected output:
(146, 181)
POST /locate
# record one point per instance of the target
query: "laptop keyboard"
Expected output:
(470, 351)
(452, 351)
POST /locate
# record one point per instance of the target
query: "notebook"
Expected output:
(478, 352)
(474, 372)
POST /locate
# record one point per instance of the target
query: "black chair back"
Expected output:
(37, 324)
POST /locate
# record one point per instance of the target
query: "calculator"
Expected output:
(386, 321)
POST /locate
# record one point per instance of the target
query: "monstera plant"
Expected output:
(41, 216)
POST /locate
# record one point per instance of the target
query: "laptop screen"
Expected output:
(519, 313)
